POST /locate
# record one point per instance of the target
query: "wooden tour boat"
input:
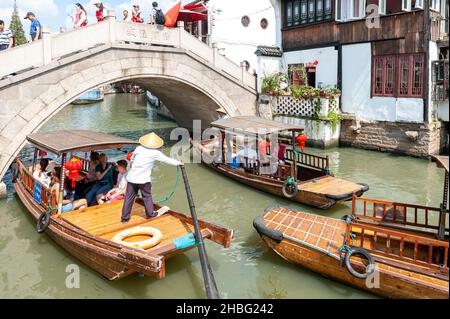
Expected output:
(88, 233)
(304, 178)
(405, 245)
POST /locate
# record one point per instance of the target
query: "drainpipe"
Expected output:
(426, 46)
(339, 73)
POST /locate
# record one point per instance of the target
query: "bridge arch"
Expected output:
(190, 86)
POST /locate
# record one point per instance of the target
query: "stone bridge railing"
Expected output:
(53, 47)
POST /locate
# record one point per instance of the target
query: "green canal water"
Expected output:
(33, 266)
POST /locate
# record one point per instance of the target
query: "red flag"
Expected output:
(172, 15)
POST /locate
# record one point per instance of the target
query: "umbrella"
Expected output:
(198, 7)
(191, 16)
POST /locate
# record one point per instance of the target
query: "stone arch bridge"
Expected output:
(191, 78)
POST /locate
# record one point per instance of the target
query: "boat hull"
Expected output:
(391, 286)
(103, 259)
(111, 260)
(275, 186)
(315, 242)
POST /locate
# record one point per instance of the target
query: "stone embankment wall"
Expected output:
(414, 139)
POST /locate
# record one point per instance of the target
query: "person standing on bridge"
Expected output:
(157, 16)
(126, 16)
(136, 14)
(80, 17)
(100, 13)
(35, 27)
(139, 176)
(6, 37)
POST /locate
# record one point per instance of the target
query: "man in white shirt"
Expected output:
(139, 176)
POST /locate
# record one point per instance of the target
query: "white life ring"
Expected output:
(155, 239)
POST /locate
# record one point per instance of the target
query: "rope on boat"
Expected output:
(173, 191)
(346, 252)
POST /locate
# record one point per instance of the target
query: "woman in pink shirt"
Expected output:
(80, 17)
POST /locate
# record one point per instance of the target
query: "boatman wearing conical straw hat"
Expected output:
(139, 176)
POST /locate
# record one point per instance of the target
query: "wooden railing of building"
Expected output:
(30, 182)
(398, 213)
(440, 80)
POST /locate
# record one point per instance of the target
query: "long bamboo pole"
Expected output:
(208, 277)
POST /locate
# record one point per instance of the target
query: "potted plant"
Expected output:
(271, 84)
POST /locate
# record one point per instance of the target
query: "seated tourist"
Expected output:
(40, 172)
(94, 161)
(69, 203)
(118, 192)
(88, 180)
(103, 180)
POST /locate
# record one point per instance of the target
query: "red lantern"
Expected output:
(73, 167)
(129, 156)
(301, 140)
(263, 147)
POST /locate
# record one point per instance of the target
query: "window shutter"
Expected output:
(338, 10)
(382, 6)
(418, 4)
(406, 5)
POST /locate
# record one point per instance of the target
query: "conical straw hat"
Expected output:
(151, 141)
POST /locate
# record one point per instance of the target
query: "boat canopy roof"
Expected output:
(441, 161)
(253, 125)
(63, 141)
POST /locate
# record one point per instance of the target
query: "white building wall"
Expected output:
(356, 90)
(265, 66)
(326, 70)
(237, 42)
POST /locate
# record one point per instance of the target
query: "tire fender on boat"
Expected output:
(43, 222)
(262, 229)
(154, 233)
(366, 255)
(289, 191)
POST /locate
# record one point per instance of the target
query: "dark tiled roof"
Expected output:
(269, 51)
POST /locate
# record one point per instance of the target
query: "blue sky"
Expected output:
(54, 13)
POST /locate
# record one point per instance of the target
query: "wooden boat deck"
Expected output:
(329, 185)
(326, 234)
(104, 222)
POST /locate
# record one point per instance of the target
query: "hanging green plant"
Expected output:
(335, 119)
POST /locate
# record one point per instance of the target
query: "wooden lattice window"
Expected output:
(398, 75)
(411, 72)
(383, 75)
(403, 66)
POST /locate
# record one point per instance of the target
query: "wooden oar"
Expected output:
(208, 277)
